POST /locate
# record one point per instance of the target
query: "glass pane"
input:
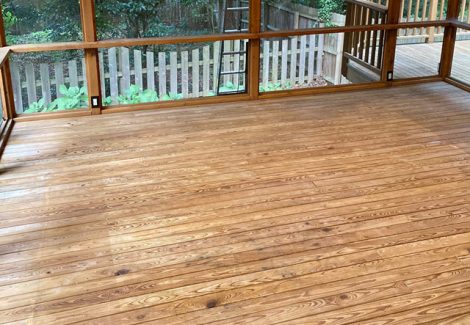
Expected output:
(49, 81)
(43, 21)
(461, 62)
(464, 13)
(318, 61)
(150, 18)
(416, 59)
(171, 72)
(298, 14)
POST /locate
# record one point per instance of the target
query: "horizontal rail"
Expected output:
(4, 52)
(460, 24)
(25, 48)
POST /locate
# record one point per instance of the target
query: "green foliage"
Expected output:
(327, 8)
(275, 86)
(135, 95)
(72, 98)
(230, 87)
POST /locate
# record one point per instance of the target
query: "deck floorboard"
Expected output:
(347, 208)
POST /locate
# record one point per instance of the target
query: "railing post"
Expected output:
(254, 49)
(448, 44)
(87, 12)
(7, 88)
(393, 17)
(432, 16)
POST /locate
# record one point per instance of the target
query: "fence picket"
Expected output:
(311, 58)
(293, 60)
(30, 83)
(125, 69)
(321, 40)
(17, 89)
(266, 63)
(303, 45)
(45, 82)
(83, 77)
(236, 62)
(205, 70)
(275, 62)
(162, 74)
(139, 81)
(195, 73)
(184, 74)
(102, 74)
(215, 68)
(285, 49)
(73, 73)
(150, 59)
(113, 73)
(173, 73)
(59, 77)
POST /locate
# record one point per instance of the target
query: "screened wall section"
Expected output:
(99, 55)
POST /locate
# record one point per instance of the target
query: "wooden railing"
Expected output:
(428, 10)
(364, 47)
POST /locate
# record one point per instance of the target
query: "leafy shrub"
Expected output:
(275, 86)
(230, 87)
(72, 98)
(135, 95)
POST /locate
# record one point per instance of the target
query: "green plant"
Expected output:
(230, 86)
(135, 95)
(72, 98)
(275, 86)
(37, 107)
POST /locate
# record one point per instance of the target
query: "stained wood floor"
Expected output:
(421, 60)
(349, 208)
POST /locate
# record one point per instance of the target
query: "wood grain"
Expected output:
(316, 209)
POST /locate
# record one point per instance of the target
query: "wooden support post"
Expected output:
(432, 16)
(393, 17)
(254, 49)
(448, 43)
(6, 84)
(87, 11)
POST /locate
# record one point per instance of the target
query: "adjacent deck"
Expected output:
(331, 209)
(420, 60)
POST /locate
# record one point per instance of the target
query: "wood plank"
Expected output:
(113, 74)
(333, 208)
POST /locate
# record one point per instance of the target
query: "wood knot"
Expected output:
(211, 303)
(343, 296)
(326, 229)
(121, 272)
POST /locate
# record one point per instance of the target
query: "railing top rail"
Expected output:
(4, 52)
(370, 5)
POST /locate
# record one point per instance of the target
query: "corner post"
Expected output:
(87, 13)
(393, 17)
(450, 34)
(254, 49)
(6, 84)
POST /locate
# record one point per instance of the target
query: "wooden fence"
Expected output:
(187, 74)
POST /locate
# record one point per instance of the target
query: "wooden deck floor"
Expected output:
(421, 60)
(349, 208)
